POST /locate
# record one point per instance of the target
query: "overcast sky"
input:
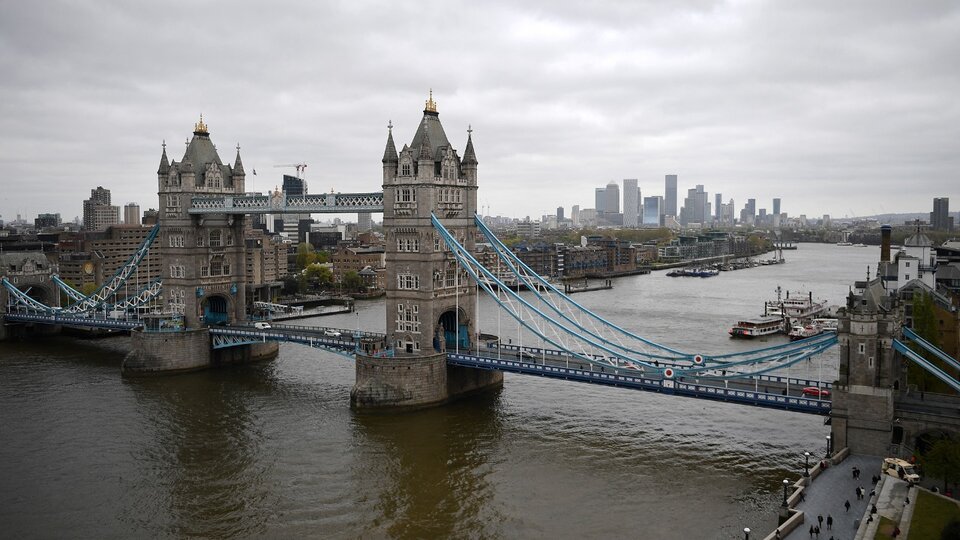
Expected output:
(836, 107)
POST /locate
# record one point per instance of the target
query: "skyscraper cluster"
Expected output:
(662, 210)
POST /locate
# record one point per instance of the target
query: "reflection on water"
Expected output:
(430, 469)
(206, 461)
(273, 449)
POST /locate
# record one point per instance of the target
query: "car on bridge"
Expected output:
(261, 325)
(329, 332)
(814, 391)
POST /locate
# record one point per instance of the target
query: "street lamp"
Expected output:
(746, 533)
(828, 445)
(785, 484)
(806, 464)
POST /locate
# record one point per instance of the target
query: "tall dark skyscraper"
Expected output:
(559, 214)
(294, 186)
(776, 206)
(940, 219)
(670, 195)
(717, 203)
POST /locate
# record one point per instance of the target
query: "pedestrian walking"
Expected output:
(846, 506)
(857, 490)
(811, 531)
(829, 522)
(777, 535)
(819, 520)
(816, 531)
(862, 492)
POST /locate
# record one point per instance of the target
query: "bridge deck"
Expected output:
(735, 393)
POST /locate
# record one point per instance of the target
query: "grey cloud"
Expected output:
(833, 107)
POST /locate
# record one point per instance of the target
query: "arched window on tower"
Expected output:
(216, 238)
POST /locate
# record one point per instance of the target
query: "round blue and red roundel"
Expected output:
(698, 359)
(668, 373)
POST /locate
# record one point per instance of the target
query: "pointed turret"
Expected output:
(469, 156)
(390, 152)
(164, 163)
(237, 164)
(426, 149)
(468, 165)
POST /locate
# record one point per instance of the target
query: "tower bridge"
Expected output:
(195, 316)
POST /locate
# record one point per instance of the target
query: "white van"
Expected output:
(899, 468)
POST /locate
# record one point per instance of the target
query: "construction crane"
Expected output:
(298, 166)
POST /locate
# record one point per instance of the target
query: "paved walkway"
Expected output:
(826, 495)
(891, 503)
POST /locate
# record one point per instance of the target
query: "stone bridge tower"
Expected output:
(204, 268)
(863, 400)
(431, 301)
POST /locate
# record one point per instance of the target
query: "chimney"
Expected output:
(885, 243)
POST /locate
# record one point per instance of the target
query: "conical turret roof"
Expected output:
(164, 164)
(469, 155)
(427, 151)
(237, 164)
(390, 152)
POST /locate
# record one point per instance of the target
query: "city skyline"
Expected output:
(561, 98)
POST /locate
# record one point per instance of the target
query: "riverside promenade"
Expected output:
(825, 496)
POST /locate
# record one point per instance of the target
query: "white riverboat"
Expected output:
(796, 308)
(757, 327)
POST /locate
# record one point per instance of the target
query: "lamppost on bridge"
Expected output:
(806, 464)
(746, 533)
(828, 445)
(786, 483)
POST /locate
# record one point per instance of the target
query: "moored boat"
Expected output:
(799, 308)
(804, 331)
(757, 327)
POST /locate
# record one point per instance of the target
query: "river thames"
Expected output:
(274, 450)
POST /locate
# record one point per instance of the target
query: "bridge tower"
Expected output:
(203, 266)
(431, 302)
(863, 402)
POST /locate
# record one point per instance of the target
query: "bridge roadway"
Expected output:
(338, 340)
(768, 391)
(71, 319)
(778, 392)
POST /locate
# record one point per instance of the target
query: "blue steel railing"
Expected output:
(638, 382)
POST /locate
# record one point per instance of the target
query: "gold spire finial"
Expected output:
(431, 105)
(200, 127)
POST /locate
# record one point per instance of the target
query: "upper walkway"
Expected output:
(323, 203)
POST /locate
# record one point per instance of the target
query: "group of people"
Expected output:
(815, 529)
